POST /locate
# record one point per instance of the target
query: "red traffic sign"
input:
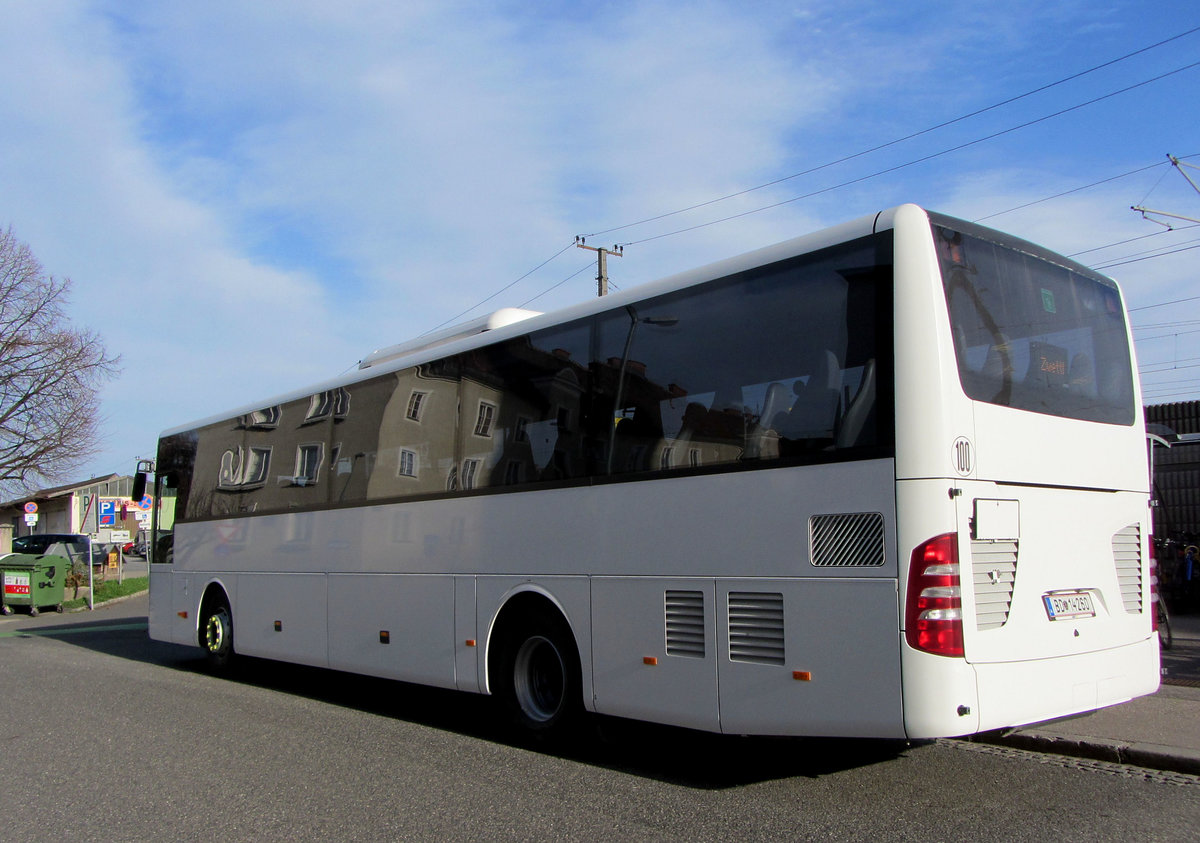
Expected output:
(30, 508)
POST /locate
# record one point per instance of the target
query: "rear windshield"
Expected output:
(1034, 334)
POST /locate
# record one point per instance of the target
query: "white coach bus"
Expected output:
(884, 480)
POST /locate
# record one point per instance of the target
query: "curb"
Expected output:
(109, 602)
(1151, 756)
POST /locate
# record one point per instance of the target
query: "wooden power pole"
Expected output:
(601, 263)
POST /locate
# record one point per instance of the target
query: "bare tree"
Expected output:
(50, 375)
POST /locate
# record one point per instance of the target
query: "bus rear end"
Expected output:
(1022, 485)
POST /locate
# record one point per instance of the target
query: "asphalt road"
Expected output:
(106, 735)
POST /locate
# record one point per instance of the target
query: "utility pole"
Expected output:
(1178, 165)
(601, 262)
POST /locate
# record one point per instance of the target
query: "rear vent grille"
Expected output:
(1127, 555)
(847, 541)
(994, 572)
(755, 627)
(685, 623)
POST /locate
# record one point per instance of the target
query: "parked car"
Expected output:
(76, 545)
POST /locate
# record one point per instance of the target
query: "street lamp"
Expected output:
(634, 320)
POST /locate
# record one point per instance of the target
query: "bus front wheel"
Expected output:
(216, 635)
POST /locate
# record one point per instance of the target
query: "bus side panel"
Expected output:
(655, 654)
(186, 608)
(282, 616)
(835, 671)
(162, 606)
(392, 625)
(466, 635)
(172, 615)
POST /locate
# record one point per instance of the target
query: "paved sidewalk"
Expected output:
(1161, 731)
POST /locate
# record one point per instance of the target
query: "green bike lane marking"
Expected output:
(79, 630)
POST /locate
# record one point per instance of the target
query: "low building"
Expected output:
(85, 507)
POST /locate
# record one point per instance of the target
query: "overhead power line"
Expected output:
(1131, 240)
(587, 265)
(501, 290)
(1150, 253)
(1072, 190)
(868, 151)
(1164, 304)
(1148, 257)
(899, 140)
(922, 159)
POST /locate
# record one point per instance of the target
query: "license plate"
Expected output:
(1065, 605)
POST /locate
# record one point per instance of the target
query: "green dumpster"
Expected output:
(33, 581)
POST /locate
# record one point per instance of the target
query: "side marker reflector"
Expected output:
(651, 660)
(802, 675)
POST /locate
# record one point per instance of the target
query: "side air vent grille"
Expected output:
(685, 623)
(847, 541)
(755, 627)
(1127, 555)
(994, 572)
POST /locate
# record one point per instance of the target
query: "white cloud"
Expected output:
(271, 190)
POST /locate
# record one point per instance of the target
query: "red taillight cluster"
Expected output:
(933, 614)
(1153, 592)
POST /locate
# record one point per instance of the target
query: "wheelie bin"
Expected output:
(33, 581)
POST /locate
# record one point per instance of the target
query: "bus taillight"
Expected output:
(1154, 596)
(933, 615)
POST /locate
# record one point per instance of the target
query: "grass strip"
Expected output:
(110, 590)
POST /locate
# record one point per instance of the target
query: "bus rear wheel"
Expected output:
(540, 678)
(216, 635)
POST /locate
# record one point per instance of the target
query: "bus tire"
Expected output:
(540, 677)
(216, 635)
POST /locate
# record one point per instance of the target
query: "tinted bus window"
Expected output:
(1035, 335)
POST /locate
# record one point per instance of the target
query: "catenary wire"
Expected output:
(1133, 239)
(501, 290)
(1164, 304)
(921, 160)
(1072, 190)
(1153, 253)
(1148, 257)
(885, 171)
(858, 155)
(900, 140)
(587, 265)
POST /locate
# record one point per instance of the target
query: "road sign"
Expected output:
(31, 518)
(30, 508)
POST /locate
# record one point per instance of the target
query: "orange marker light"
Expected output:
(802, 675)
(385, 637)
(650, 660)
(182, 615)
(470, 642)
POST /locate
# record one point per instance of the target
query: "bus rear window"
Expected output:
(1032, 334)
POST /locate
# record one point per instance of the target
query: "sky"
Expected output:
(249, 197)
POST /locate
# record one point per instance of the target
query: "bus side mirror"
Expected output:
(139, 486)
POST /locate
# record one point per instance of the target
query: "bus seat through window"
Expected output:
(813, 415)
(859, 410)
